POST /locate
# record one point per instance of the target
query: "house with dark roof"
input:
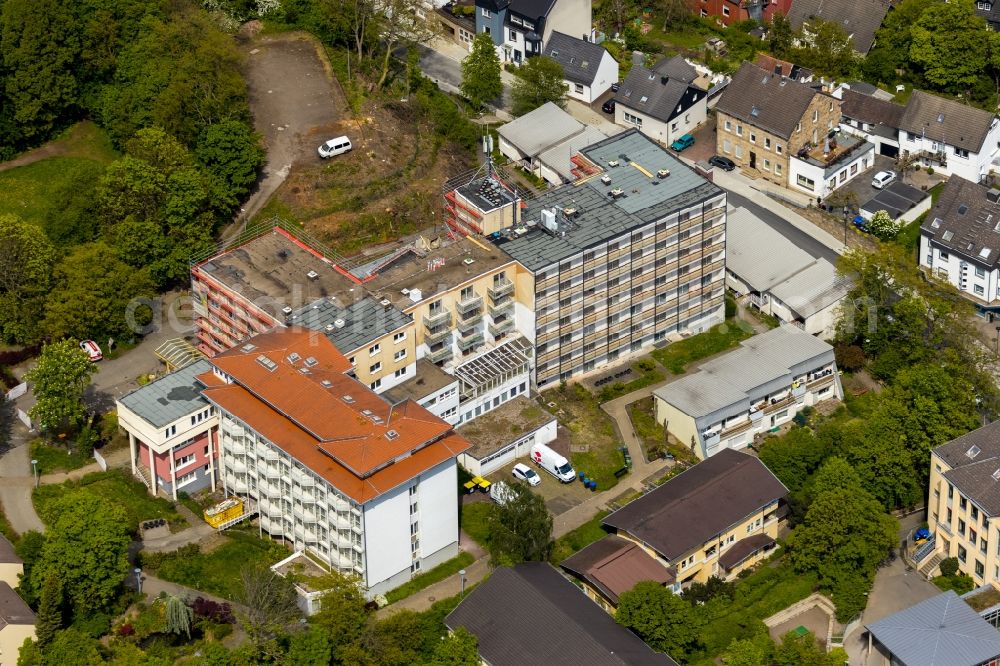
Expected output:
(17, 624)
(662, 102)
(11, 566)
(949, 136)
(783, 68)
(859, 18)
(716, 518)
(963, 506)
(522, 28)
(960, 242)
(533, 615)
(729, 12)
(873, 119)
(589, 68)
(989, 10)
(937, 631)
(614, 565)
(784, 132)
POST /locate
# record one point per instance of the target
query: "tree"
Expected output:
(793, 456)
(58, 381)
(29, 549)
(749, 651)
(232, 152)
(96, 295)
(882, 226)
(780, 35)
(269, 602)
(342, 613)
(520, 529)
(459, 648)
(673, 11)
(836, 474)
(26, 258)
(661, 618)
(828, 49)
(947, 44)
(892, 42)
(68, 647)
(481, 80)
(540, 80)
(402, 22)
(50, 613)
(796, 650)
(309, 648)
(87, 546)
(178, 616)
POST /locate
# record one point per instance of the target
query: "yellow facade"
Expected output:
(385, 356)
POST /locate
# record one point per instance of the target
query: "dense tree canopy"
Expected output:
(481, 81)
(520, 529)
(58, 381)
(660, 617)
(539, 80)
(26, 258)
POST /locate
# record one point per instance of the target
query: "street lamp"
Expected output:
(461, 572)
(34, 463)
(845, 227)
(997, 343)
(138, 579)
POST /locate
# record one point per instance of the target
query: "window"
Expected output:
(633, 120)
(767, 142)
(943, 256)
(578, 87)
(186, 479)
(961, 527)
(962, 502)
(798, 127)
(400, 355)
(729, 126)
(374, 349)
(375, 367)
(170, 432)
(979, 569)
(767, 165)
(777, 168)
(727, 146)
(739, 151)
(978, 289)
(399, 337)
(961, 153)
(807, 183)
(961, 554)
(725, 10)
(815, 115)
(753, 137)
(777, 148)
(487, 13)
(980, 272)
(739, 130)
(973, 537)
(186, 460)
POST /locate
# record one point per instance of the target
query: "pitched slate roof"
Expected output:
(766, 100)
(579, 59)
(614, 565)
(974, 458)
(965, 221)
(537, 131)
(871, 110)
(946, 120)
(771, 64)
(532, 615)
(7, 553)
(859, 18)
(940, 630)
(534, 9)
(656, 95)
(13, 610)
(676, 68)
(699, 503)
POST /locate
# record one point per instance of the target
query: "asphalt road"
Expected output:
(447, 72)
(785, 228)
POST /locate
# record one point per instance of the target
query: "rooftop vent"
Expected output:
(617, 192)
(993, 195)
(339, 323)
(329, 328)
(996, 474)
(468, 261)
(606, 179)
(287, 310)
(267, 363)
(293, 357)
(312, 275)
(385, 303)
(367, 412)
(304, 371)
(663, 173)
(311, 362)
(326, 383)
(404, 291)
(652, 76)
(248, 347)
(614, 163)
(391, 434)
(348, 399)
(973, 451)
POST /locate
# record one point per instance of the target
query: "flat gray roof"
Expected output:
(731, 383)
(758, 254)
(170, 397)
(540, 129)
(353, 326)
(427, 380)
(895, 199)
(558, 156)
(940, 630)
(600, 217)
(812, 289)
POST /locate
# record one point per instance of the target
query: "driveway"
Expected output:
(16, 480)
(441, 62)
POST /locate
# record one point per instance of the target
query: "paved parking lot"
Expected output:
(559, 497)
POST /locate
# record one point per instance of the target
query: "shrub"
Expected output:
(949, 566)
(850, 357)
(95, 625)
(126, 630)
(730, 306)
(213, 611)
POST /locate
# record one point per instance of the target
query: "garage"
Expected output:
(888, 150)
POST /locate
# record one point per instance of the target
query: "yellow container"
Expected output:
(224, 511)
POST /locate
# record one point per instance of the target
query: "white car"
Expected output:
(335, 147)
(883, 178)
(93, 351)
(525, 473)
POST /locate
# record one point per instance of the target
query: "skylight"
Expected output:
(985, 252)
(754, 112)
(963, 209)
(391, 434)
(947, 236)
(643, 100)
(266, 362)
(936, 223)
(293, 357)
(973, 451)
(996, 474)
(311, 361)
(940, 117)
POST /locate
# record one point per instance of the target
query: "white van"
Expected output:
(552, 462)
(501, 493)
(335, 147)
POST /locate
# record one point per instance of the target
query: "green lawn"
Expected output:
(54, 458)
(217, 572)
(579, 538)
(644, 373)
(590, 427)
(676, 357)
(651, 434)
(113, 487)
(32, 192)
(435, 575)
(472, 519)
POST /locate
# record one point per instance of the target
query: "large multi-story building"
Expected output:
(366, 485)
(631, 253)
(521, 29)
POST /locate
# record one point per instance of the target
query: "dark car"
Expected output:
(609, 106)
(723, 163)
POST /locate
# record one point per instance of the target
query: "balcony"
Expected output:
(500, 290)
(436, 336)
(469, 318)
(469, 303)
(505, 308)
(499, 328)
(442, 354)
(437, 318)
(470, 341)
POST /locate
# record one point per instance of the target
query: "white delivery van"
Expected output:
(501, 493)
(552, 462)
(335, 147)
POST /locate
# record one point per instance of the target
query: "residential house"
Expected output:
(748, 391)
(611, 566)
(989, 10)
(729, 12)
(457, 21)
(873, 119)
(17, 624)
(662, 102)
(859, 18)
(789, 70)
(367, 486)
(963, 505)
(716, 518)
(779, 278)
(949, 136)
(589, 68)
(522, 28)
(785, 132)
(631, 254)
(544, 142)
(941, 630)
(11, 566)
(960, 242)
(533, 615)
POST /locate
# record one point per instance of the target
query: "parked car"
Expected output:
(609, 106)
(525, 473)
(723, 163)
(335, 147)
(93, 351)
(883, 178)
(680, 144)
(616, 86)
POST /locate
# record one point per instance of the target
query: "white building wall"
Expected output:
(524, 321)
(971, 168)
(824, 185)
(507, 454)
(444, 403)
(508, 150)
(490, 400)
(438, 510)
(387, 539)
(953, 268)
(570, 17)
(665, 133)
(388, 381)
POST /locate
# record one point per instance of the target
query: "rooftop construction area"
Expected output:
(634, 182)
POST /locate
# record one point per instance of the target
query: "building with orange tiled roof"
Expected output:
(365, 484)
